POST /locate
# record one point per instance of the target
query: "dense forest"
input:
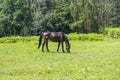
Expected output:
(30, 17)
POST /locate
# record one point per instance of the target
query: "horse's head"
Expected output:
(68, 48)
(67, 44)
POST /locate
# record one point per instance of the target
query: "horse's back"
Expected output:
(57, 33)
(56, 36)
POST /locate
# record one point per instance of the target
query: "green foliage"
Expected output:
(29, 17)
(112, 32)
(71, 36)
(42, 22)
(115, 14)
(86, 37)
(85, 16)
(55, 19)
(15, 17)
(62, 18)
(14, 39)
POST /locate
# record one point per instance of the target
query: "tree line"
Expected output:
(30, 17)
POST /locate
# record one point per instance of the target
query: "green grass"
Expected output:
(96, 60)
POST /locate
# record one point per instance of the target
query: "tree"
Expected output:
(86, 17)
(26, 17)
(15, 17)
(52, 17)
(115, 13)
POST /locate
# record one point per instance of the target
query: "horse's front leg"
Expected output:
(47, 46)
(58, 46)
(62, 47)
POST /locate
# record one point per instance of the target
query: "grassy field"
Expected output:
(88, 60)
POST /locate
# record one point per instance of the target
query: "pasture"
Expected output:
(88, 60)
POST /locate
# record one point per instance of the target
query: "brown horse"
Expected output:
(54, 37)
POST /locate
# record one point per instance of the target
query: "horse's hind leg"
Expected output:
(43, 46)
(63, 47)
(58, 46)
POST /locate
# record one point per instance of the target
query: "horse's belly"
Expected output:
(56, 40)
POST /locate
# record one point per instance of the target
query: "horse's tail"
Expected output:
(40, 40)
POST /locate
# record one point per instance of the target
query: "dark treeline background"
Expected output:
(30, 17)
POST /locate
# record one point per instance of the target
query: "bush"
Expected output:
(15, 39)
(112, 32)
(71, 36)
(84, 37)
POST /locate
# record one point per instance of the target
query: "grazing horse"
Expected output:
(54, 37)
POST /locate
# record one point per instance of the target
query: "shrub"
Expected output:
(84, 37)
(71, 36)
(15, 39)
(112, 32)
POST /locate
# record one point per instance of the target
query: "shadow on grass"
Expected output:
(55, 52)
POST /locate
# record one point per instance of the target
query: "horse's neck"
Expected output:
(66, 40)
